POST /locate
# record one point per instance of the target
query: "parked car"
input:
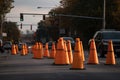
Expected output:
(50, 44)
(7, 45)
(20, 46)
(72, 41)
(101, 39)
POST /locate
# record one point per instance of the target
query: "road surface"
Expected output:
(17, 67)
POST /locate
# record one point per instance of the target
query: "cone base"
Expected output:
(92, 63)
(77, 68)
(109, 64)
(22, 54)
(50, 58)
(36, 58)
(13, 54)
(60, 64)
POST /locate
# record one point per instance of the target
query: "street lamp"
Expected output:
(44, 7)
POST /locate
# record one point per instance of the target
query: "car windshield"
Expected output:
(111, 35)
(68, 38)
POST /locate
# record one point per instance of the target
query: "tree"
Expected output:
(41, 32)
(5, 7)
(85, 28)
(13, 33)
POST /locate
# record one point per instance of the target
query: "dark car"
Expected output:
(72, 41)
(7, 45)
(101, 39)
(20, 46)
(50, 44)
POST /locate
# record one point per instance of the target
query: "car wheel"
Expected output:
(102, 53)
(118, 55)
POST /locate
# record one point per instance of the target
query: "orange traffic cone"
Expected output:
(78, 63)
(35, 50)
(93, 58)
(59, 51)
(82, 51)
(69, 51)
(32, 49)
(23, 52)
(110, 58)
(46, 51)
(61, 57)
(65, 55)
(16, 47)
(39, 51)
(53, 51)
(26, 49)
(13, 51)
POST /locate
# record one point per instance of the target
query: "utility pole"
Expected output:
(104, 7)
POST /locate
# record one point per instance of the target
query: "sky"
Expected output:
(30, 6)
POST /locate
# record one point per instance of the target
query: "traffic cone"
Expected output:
(78, 63)
(26, 49)
(69, 52)
(16, 47)
(59, 51)
(53, 51)
(93, 57)
(23, 52)
(13, 50)
(60, 44)
(46, 51)
(42, 50)
(65, 55)
(82, 51)
(32, 49)
(35, 50)
(61, 57)
(39, 54)
(110, 58)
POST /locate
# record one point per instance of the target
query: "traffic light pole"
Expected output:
(22, 17)
(78, 16)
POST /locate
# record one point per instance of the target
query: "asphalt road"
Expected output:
(17, 67)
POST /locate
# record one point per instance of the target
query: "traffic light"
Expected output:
(30, 27)
(21, 26)
(43, 17)
(21, 17)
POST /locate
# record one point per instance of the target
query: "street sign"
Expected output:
(4, 34)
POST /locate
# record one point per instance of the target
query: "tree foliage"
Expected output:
(5, 6)
(13, 33)
(8, 27)
(85, 28)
